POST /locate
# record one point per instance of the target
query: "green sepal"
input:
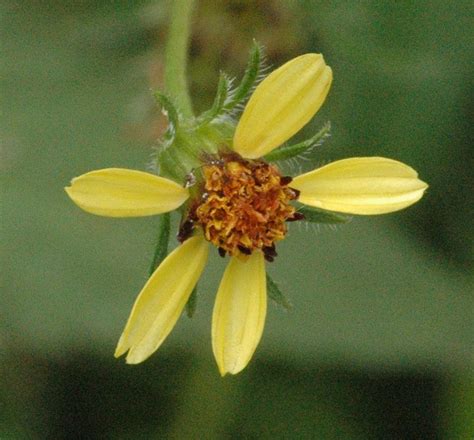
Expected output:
(275, 294)
(316, 215)
(289, 151)
(170, 111)
(251, 75)
(177, 157)
(223, 91)
(161, 250)
(192, 303)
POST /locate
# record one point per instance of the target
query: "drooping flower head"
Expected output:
(218, 174)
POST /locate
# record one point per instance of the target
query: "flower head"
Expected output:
(243, 206)
(232, 198)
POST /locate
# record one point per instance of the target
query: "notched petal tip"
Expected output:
(362, 185)
(282, 104)
(134, 359)
(162, 300)
(117, 192)
(118, 353)
(121, 348)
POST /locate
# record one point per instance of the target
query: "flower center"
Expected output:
(244, 205)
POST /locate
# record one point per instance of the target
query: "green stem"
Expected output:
(176, 52)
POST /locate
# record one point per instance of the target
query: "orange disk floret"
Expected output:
(244, 205)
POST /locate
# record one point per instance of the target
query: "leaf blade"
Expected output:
(276, 295)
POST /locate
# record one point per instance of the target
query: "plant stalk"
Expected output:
(176, 52)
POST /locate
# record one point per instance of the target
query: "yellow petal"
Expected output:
(118, 192)
(162, 300)
(361, 185)
(239, 313)
(282, 104)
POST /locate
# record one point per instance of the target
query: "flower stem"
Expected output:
(176, 54)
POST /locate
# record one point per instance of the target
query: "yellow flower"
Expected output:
(240, 205)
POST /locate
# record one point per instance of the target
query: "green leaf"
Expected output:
(252, 72)
(192, 303)
(223, 89)
(305, 147)
(161, 249)
(316, 215)
(170, 111)
(277, 295)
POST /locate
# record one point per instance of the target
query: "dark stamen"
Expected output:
(244, 250)
(190, 180)
(296, 216)
(285, 180)
(185, 230)
(221, 252)
(296, 192)
(270, 250)
(268, 258)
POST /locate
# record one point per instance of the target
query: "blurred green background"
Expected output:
(379, 344)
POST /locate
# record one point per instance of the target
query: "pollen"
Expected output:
(244, 206)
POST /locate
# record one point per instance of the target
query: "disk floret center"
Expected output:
(244, 205)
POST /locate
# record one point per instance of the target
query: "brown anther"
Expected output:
(296, 216)
(221, 252)
(244, 250)
(296, 193)
(270, 251)
(189, 180)
(185, 230)
(285, 180)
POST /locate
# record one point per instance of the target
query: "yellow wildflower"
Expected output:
(240, 205)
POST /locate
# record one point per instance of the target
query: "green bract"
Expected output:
(187, 139)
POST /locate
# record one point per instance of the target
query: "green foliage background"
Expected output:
(379, 344)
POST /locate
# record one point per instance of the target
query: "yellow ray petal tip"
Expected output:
(117, 192)
(282, 104)
(361, 185)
